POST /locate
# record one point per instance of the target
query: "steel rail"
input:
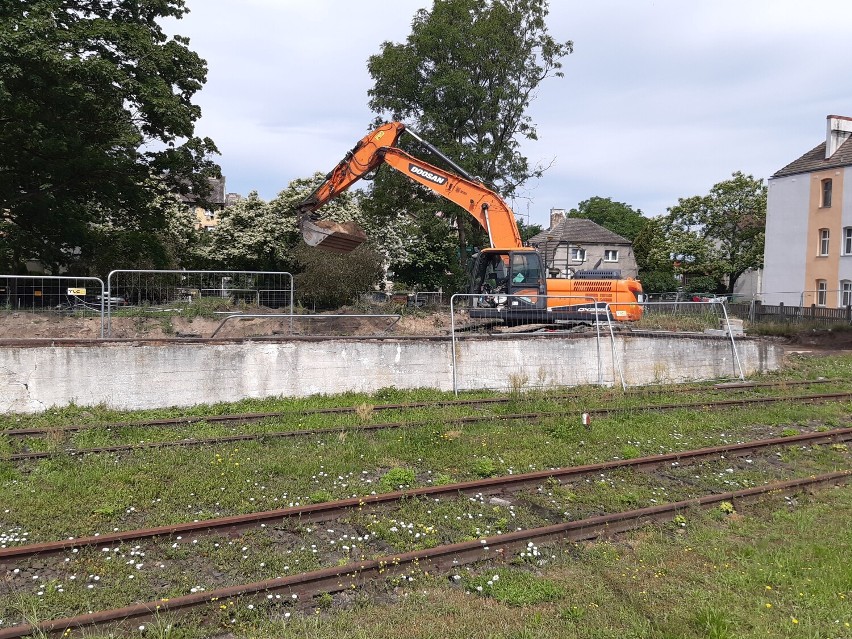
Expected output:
(352, 575)
(249, 417)
(472, 419)
(331, 509)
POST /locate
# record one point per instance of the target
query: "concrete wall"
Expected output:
(137, 374)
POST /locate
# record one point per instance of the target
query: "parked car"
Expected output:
(112, 301)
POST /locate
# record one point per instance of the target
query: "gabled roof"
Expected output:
(578, 231)
(216, 195)
(814, 160)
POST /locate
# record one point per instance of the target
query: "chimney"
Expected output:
(558, 215)
(838, 129)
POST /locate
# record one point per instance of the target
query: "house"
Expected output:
(575, 244)
(808, 253)
(208, 217)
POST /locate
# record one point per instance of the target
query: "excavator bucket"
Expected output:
(335, 237)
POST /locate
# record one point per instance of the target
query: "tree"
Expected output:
(329, 280)
(616, 216)
(723, 231)
(430, 260)
(96, 123)
(464, 79)
(528, 231)
(250, 236)
(176, 245)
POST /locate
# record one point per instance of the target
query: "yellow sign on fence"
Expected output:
(76, 291)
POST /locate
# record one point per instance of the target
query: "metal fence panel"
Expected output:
(707, 321)
(56, 294)
(566, 317)
(166, 292)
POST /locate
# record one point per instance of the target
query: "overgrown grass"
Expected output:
(677, 580)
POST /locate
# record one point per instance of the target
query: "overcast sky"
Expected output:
(661, 99)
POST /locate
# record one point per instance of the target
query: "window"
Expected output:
(610, 255)
(209, 214)
(821, 292)
(845, 293)
(578, 254)
(847, 240)
(823, 242)
(526, 268)
(826, 194)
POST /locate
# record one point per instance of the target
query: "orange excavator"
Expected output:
(509, 275)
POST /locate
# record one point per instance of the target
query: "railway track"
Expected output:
(334, 509)
(474, 419)
(252, 417)
(440, 558)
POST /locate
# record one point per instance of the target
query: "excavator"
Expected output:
(509, 276)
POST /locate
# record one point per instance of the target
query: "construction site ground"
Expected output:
(39, 326)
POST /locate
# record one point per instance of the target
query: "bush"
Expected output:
(329, 280)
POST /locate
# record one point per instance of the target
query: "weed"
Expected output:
(517, 383)
(364, 412)
(324, 601)
(397, 479)
(713, 624)
(167, 326)
(320, 496)
(630, 452)
(442, 479)
(572, 614)
(789, 432)
(515, 588)
(484, 467)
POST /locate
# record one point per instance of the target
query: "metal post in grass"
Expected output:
(733, 343)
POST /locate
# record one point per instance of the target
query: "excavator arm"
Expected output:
(379, 147)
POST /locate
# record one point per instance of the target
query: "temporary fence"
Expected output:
(175, 292)
(706, 335)
(669, 342)
(515, 357)
(67, 295)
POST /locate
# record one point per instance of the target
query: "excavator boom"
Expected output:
(379, 147)
(363, 158)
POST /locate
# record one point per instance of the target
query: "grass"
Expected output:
(703, 575)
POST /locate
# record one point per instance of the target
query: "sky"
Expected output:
(661, 99)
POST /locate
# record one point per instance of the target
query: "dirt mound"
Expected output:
(823, 338)
(36, 326)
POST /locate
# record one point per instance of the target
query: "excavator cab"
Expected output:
(511, 279)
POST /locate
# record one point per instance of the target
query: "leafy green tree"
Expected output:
(723, 231)
(331, 280)
(528, 231)
(430, 260)
(252, 236)
(616, 216)
(464, 79)
(96, 123)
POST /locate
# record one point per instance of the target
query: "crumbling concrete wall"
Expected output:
(128, 374)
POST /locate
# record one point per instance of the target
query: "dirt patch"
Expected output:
(32, 326)
(823, 339)
(421, 323)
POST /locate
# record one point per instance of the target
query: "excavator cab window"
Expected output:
(491, 274)
(526, 269)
